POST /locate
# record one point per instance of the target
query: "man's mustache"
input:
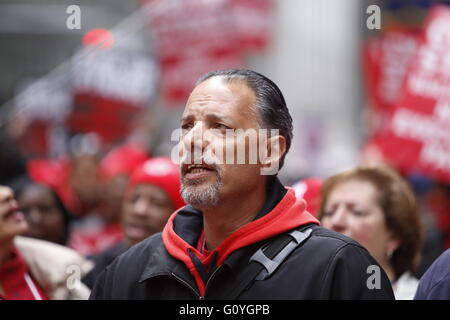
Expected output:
(209, 162)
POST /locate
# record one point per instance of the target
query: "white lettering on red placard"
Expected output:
(418, 137)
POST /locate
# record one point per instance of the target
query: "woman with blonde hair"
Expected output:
(376, 207)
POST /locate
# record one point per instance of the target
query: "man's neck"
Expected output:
(221, 221)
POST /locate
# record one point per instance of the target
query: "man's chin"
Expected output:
(201, 196)
(195, 188)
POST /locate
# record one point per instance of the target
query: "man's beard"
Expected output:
(201, 196)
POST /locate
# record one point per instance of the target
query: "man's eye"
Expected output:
(220, 126)
(159, 203)
(134, 199)
(186, 126)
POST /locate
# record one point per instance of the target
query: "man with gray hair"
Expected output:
(243, 235)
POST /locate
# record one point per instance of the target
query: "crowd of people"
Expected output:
(126, 225)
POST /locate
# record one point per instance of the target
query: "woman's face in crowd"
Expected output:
(12, 221)
(353, 210)
(42, 213)
(146, 210)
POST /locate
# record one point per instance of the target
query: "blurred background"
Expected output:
(82, 78)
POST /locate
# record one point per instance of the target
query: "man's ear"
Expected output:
(276, 148)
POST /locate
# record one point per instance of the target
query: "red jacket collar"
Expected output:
(288, 214)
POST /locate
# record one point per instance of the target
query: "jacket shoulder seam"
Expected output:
(330, 263)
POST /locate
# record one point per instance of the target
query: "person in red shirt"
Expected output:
(32, 269)
(15, 281)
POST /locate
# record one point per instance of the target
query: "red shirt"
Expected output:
(16, 282)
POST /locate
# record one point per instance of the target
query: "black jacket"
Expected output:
(101, 261)
(327, 265)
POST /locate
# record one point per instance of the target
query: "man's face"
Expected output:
(214, 109)
(12, 221)
(145, 211)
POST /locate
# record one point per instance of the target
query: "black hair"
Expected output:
(270, 103)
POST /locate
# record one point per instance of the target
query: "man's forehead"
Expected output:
(209, 116)
(216, 92)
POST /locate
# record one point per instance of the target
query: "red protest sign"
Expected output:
(194, 37)
(418, 137)
(252, 23)
(110, 119)
(191, 38)
(385, 61)
(111, 89)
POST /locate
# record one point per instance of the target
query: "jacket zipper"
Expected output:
(212, 276)
(186, 284)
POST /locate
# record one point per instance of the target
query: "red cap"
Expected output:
(163, 173)
(50, 172)
(54, 173)
(309, 189)
(122, 160)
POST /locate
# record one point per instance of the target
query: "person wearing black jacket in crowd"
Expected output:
(435, 283)
(243, 235)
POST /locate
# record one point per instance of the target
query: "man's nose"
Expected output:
(140, 207)
(34, 216)
(196, 141)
